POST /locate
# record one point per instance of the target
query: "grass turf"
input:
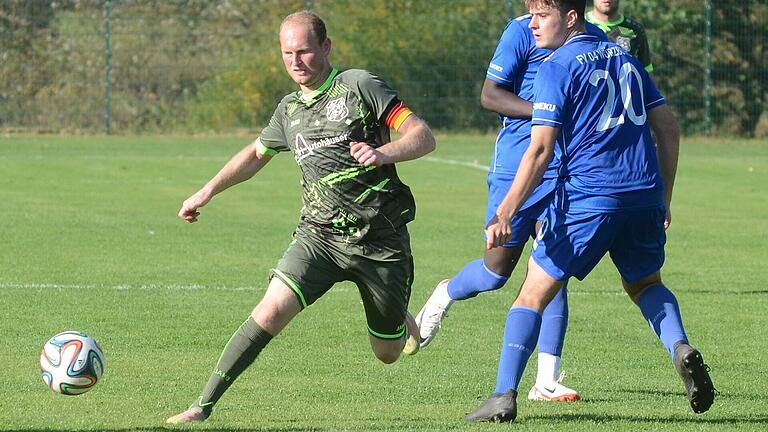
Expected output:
(91, 241)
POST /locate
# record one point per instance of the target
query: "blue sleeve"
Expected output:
(511, 54)
(550, 92)
(651, 96)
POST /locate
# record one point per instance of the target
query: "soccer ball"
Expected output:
(71, 362)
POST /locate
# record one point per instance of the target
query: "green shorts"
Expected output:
(381, 268)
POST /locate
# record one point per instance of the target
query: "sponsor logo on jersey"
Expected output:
(304, 148)
(544, 106)
(336, 110)
(496, 67)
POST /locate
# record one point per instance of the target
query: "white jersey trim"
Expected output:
(546, 120)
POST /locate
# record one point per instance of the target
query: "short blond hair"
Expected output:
(314, 22)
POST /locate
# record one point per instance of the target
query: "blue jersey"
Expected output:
(598, 95)
(514, 66)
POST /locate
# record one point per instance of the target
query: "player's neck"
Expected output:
(316, 84)
(599, 16)
(573, 32)
(564, 37)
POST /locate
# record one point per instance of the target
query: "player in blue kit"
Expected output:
(508, 90)
(592, 107)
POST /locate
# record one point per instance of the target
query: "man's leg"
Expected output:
(482, 275)
(520, 334)
(383, 271)
(660, 308)
(389, 350)
(554, 322)
(278, 307)
(487, 274)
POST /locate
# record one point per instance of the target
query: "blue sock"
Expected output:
(520, 334)
(554, 322)
(659, 307)
(473, 279)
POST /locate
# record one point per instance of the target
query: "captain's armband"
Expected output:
(397, 116)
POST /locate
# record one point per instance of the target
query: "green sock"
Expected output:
(241, 350)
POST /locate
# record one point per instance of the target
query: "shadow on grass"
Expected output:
(662, 393)
(554, 418)
(605, 418)
(728, 292)
(224, 428)
(718, 396)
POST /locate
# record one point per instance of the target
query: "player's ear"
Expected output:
(572, 19)
(327, 46)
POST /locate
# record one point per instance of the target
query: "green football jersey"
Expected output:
(628, 34)
(341, 197)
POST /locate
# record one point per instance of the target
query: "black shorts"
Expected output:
(381, 268)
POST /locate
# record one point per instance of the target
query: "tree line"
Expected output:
(197, 65)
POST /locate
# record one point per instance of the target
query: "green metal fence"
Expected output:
(190, 65)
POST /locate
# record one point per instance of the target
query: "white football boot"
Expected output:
(430, 317)
(553, 392)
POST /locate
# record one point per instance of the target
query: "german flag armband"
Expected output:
(397, 116)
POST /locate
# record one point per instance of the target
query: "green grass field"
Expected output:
(90, 241)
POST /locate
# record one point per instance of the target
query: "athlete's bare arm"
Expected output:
(244, 165)
(499, 99)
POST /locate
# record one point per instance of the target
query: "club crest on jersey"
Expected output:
(336, 110)
(624, 42)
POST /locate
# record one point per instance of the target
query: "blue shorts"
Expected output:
(572, 243)
(524, 223)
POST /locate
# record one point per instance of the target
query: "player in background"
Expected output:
(353, 222)
(508, 90)
(594, 107)
(626, 32)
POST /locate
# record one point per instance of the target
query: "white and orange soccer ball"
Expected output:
(71, 363)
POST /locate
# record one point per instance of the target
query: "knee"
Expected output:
(387, 351)
(387, 356)
(636, 289)
(265, 313)
(490, 279)
(539, 298)
(270, 317)
(531, 301)
(492, 284)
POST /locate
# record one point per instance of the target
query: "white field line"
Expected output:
(133, 158)
(146, 287)
(474, 165)
(179, 287)
(197, 287)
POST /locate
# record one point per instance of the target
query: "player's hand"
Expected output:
(667, 219)
(498, 232)
(188, 210)
(367, 155)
